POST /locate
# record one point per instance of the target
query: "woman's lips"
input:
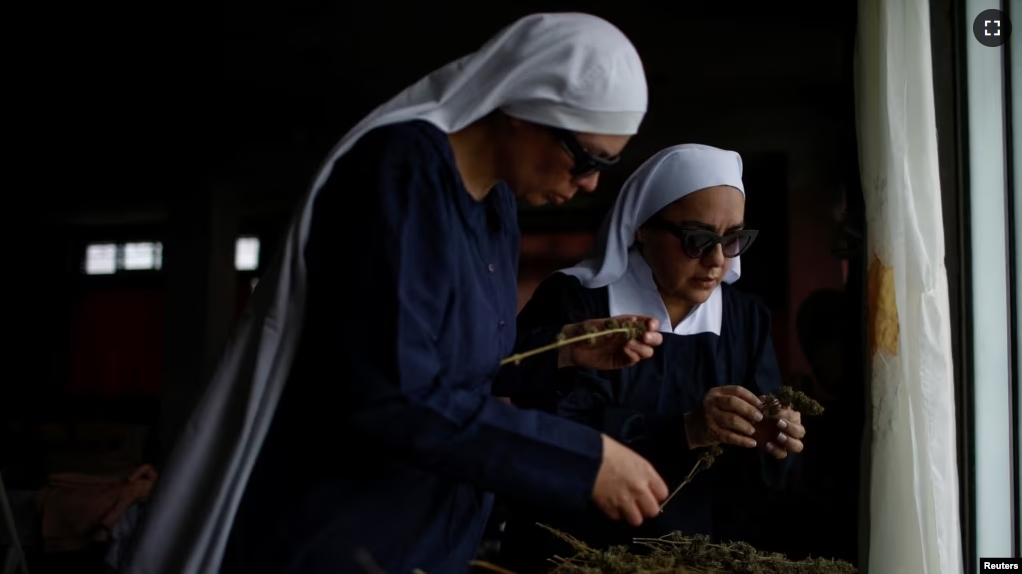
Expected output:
(705, 282)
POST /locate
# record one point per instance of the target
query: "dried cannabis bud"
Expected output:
(790, 398)
(710, 455)
(635, 329)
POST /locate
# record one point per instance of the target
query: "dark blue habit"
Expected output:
(643, 406)
(388, 439)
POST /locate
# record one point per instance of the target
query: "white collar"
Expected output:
(635, 293)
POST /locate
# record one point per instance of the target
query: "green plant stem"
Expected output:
(558, 344)
(688, 479)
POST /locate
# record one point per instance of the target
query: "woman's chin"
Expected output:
(534, 199)
(696, 296)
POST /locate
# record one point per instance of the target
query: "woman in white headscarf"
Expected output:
(669, 249)
(399, 279)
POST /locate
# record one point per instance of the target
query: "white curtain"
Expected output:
(913, 480)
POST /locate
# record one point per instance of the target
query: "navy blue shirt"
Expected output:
(643, 406)
(388, 439)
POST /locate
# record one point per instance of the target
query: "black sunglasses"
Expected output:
(586, 163)
(698, 242)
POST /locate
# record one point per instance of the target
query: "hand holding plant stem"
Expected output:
(787, 398)
(602, 344)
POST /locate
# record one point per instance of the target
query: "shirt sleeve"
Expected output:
(403, 396)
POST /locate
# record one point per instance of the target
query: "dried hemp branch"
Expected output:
(705, 461)
(679, 554)
(632, 329)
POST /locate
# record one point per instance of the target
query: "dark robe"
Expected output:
(643, 407)
(387, 439)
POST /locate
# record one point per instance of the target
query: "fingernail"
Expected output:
(770, 446)
(781, 437)
(758, 417)
(782, 424)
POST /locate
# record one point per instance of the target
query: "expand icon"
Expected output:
(992, 28)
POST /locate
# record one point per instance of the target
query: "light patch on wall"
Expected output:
(246, 254)
(109, 258)
(143, 256)
(101, 259)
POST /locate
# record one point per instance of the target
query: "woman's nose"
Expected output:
(588, 183)
(715, 257)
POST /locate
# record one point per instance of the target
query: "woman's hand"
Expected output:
(609, 352)
(781, 434)
(627, 486)
(728, 415)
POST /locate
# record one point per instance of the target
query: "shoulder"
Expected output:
(564, 295)
(410, 163)
(404, 156)
(398, 173)
(741, 304)
(560, 283)
(404, 139)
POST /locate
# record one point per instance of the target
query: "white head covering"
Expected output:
(661, 180)
(571, 71)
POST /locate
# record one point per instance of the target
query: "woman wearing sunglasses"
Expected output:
(670, 249)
